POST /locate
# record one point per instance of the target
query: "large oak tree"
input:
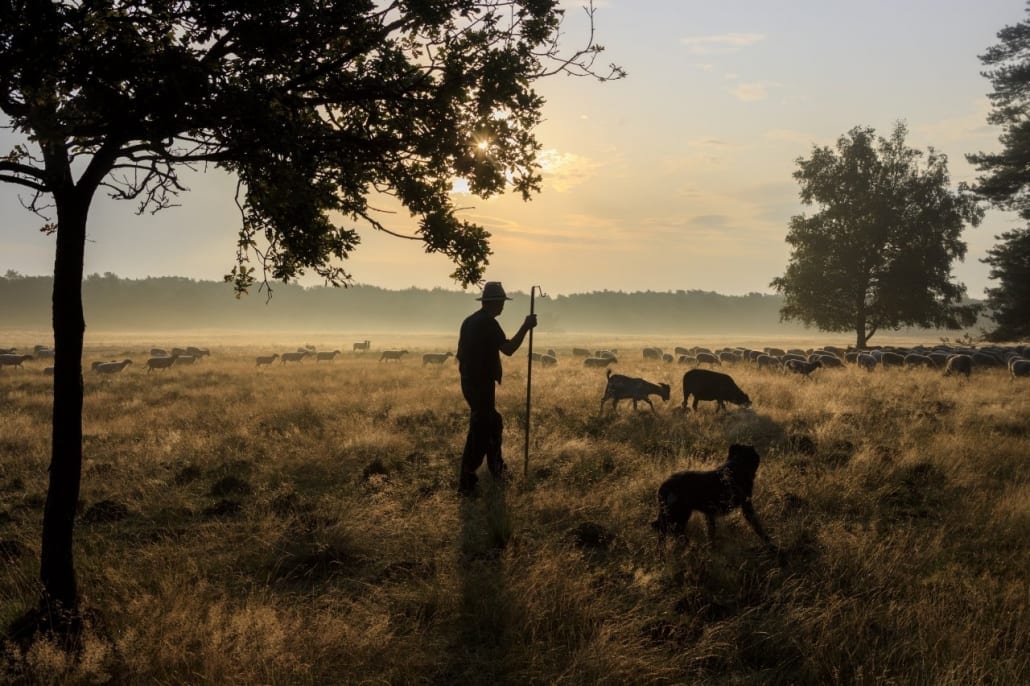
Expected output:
(316, 106)
(878, 253)
(1005, 180)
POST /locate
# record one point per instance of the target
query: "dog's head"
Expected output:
(743, 460)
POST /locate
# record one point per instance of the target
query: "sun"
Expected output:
(482, 146)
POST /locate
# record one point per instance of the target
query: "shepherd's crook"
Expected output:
(529, 378)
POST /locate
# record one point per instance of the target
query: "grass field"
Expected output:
(299, 525)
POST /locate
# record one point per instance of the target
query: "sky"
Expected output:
(678, 177)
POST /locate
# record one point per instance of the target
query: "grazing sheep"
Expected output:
(361, 345)
(606, 353)
(43, 353)
(599, 361)
(580, 352)
(266, 359)
(802, 367)
(866, 361)
(621, 387)
(394, 355)
(437, 358)
(707, 358)
(297, 356)
(1019, 368)
(826, 360)
(111, 367)
(198, 352)
(8, 351)
(184, 359)
(714, 492)
(13, 360)
(892, 359)
(775, 352)
(680, 350)
(176, 352)
(326, 356)
(729, 356)
(652, 353)
(158, 352)
(919, 360)
(705, 384)
(959, 364)
(764, 360)
(548, 360)
(687, 359)
(160, 362)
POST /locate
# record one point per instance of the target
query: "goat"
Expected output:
(394, 355)
(621, 387)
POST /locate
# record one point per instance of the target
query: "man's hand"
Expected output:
(530, 322)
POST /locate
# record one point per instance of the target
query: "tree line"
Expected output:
(169, 302)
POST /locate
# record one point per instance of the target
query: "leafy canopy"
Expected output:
(316, 106)
(878, 253)
(1005, 180)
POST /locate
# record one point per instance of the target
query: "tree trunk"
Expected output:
(60, 598)
(860, 331)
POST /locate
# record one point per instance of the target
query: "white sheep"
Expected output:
(111, 367)
(435, 358)
(160, 362)
(266, 359)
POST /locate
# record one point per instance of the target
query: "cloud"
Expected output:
(721, 44)
(563, 171)
(751, 92)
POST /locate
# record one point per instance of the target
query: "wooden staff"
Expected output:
(529, 379)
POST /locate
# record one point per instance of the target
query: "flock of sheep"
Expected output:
(949, 359)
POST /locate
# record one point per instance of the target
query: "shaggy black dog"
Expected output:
(715, 492)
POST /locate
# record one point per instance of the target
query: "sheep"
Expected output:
(394, 355)
(198, 352)
(111, 367)
(548, 360)
(297, 356)
(729, 356)
(714, 492)
(437, 358)
(764, 360)
(652, 353)
(866, 361)
(158, 352)
(606, 353)
(326, 356)
(666, 357)
(1019, 368)
(13, 360)
(802, 367)
(918, 360)
(827, 360)
(43, 353)
(704, 357)
(959, 364)
(266, 359)
(160, 362)
(184, 359)
(892, 359)
(176, 352)
(705, 384)
(360, 346)
(680, 350)
(580, 352)
(598, 361)
(621, 387)
(8, 351)
(687, 359)
(775, 352)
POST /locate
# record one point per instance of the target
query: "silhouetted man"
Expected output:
(480, 345)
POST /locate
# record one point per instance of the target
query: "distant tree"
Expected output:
(1005, 180)
(1009, 302)
(315, 107)
(878, 253)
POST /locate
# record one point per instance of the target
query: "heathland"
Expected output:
(298, 524)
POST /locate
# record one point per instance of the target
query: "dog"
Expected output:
(715, 492)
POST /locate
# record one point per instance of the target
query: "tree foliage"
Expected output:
(1005, 179)
(1009, 301)
(318, 107)
(878, 253)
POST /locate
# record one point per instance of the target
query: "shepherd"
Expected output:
(480, 343)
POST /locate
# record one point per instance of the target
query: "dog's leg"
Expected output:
(749, 514)
(710, 520)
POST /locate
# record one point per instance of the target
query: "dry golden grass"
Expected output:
(298, 525)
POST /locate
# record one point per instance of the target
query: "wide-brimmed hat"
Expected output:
(493, 290)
